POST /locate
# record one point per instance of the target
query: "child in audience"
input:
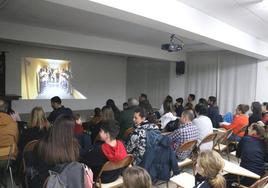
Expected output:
(209, 166)
(136, 177)
(240, 121)
(109, 150)
(78, 128)
(252, 149)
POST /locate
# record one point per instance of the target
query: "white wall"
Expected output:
(97, 76)
(262, 78)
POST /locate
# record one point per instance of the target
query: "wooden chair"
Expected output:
(28, 148)
(209, 138)
(221, 143)
(128, 132)
(109, 166)
(6, 156)
(186, 146)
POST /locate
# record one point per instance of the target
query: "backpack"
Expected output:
(70, 175)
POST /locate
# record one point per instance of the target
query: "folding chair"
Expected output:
(221, 144)
(209, 138)
(109, 166)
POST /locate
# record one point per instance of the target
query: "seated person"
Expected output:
(179, 106)
(137, 142)
(111, 150)
(209, 166)
(9, 133)
(213, 111)
(168, 115)
(136, 177)
(265, 113)
(252, 149)
(186, 132)
(94, 124)
(78, 127)
(240, 120)
(58, 109)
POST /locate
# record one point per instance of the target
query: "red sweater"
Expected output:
(238, 123)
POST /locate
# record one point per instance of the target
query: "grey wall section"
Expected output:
(150, 77)
(97, 76)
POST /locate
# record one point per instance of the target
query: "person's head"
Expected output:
(179, 101)
(242, 109)
(110, 102)
(189, 106)
(209, 165)
(77, 118)
(201, 109)
(257, 130)
(142, 97)
(132, 102)
(139, 116)
(59, 145)
(3, 106)
(38, 118)
(125, 105)
(97, 112)
(191, 97)
(256, 108)
(168, 106)
(109, 130)
(203, 101)
(186, 116)
(136, 177)
(212, 100)
(264, 107)
(55, 102)
(107, 113)
(169, 99)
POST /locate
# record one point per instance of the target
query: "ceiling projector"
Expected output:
(172, 46)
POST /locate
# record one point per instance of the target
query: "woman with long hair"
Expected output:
(136, 177)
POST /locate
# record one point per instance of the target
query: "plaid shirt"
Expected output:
(185, 132)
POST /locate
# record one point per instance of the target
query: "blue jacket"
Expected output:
(159, 159)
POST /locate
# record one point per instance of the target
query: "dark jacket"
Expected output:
(253, 154)
(213, 114)
(95, 159)
(254, 118)
(179, 109)
(203, 184)
(55, 113)
(145, 104)
(126, 121)
(161, 159)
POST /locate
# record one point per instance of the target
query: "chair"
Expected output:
(109, 166)
(221, 145)
(28, 148)
(6, 156)
(186, 146)
(209, 138)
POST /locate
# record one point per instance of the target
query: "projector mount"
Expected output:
(172, 46)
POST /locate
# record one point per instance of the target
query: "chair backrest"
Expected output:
(188, 145)
(260, 183)
(208, 138)
(225, 136)
(109, 166)
(128, 132)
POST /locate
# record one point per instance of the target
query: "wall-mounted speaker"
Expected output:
(180, 67)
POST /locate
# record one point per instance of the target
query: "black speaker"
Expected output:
(180, 67)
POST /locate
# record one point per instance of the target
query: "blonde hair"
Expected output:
(211, 163)
(38, 118)
(107, 113)
(136, 177)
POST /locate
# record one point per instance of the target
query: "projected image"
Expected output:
(45, 78)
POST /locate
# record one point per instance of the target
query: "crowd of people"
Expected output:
(64, 144)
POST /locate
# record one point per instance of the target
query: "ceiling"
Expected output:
(49, 15)
(250, 16)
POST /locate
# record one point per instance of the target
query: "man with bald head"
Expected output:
(8, 131)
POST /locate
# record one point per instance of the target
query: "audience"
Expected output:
(58, 109)
(204, 125)
(168, 113)
(107, 113)
(136, 177)
(126, 117)
(265, 113)
(144, 103)
(78, 127)
(110, 103)
(179, 106)
(213, 112)
(186, 132)
(125, 106)
(203, 101)
(240, 121)
(109, 149)
(161, 110)
(15, 115)
(209, 166)
(137, 142)
(94, 124)
(9, 133)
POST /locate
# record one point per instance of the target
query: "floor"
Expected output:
(54, 89)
